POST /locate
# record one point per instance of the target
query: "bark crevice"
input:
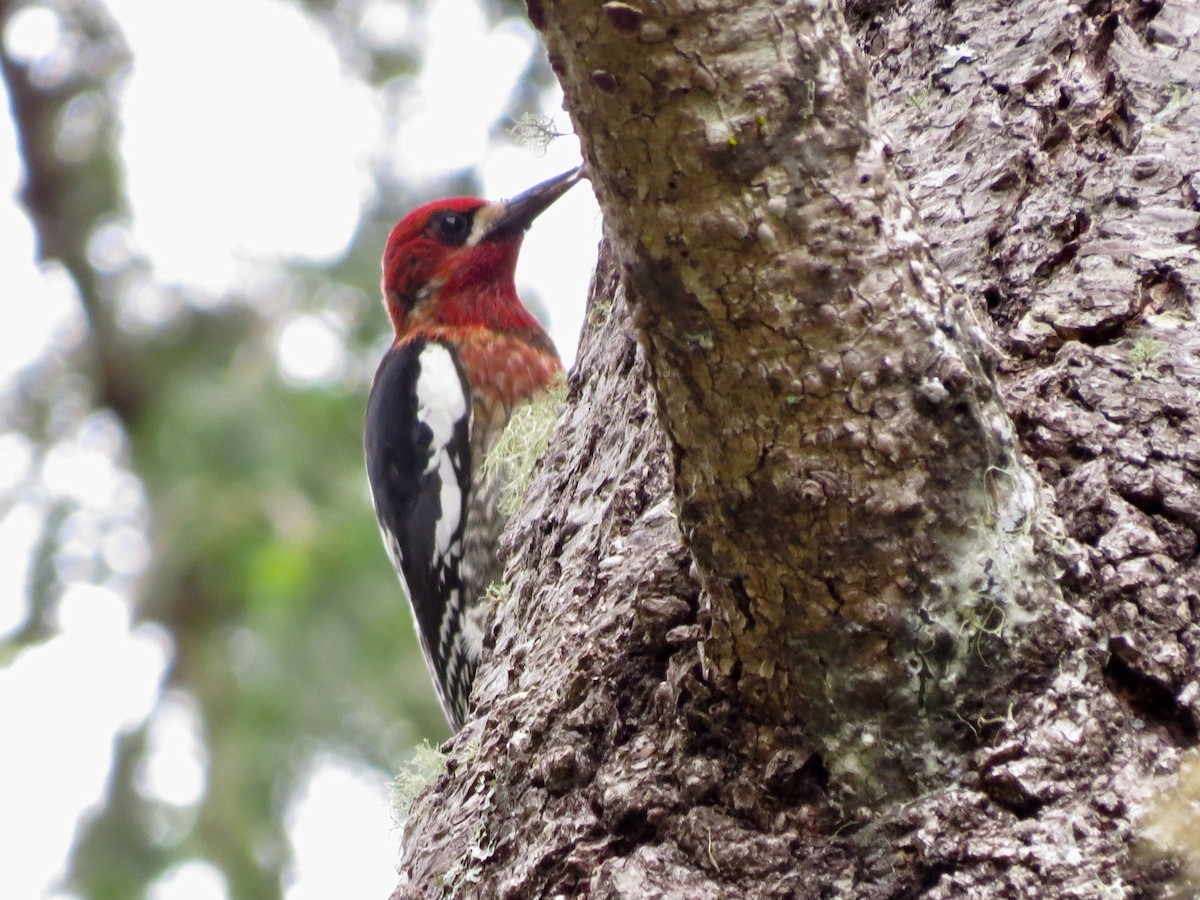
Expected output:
(834, 385)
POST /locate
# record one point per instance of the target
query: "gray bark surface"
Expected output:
(1086, 202)
(862, 563)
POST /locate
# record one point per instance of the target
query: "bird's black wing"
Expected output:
(418, 451)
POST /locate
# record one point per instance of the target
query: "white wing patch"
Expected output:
(441, 401)
(441, 405)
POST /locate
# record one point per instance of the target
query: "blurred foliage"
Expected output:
(288, 626)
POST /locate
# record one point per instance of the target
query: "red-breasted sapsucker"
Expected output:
(465, 353)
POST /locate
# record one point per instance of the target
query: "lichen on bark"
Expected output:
(869, 540)
(785, 467)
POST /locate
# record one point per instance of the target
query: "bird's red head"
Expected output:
(451, 262)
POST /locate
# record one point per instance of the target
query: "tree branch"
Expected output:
(875, 608)
(866, 531)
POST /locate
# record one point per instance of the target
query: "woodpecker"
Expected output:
(466, 352)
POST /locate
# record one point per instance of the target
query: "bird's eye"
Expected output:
(452, 227)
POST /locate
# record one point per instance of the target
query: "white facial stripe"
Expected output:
(484, 219)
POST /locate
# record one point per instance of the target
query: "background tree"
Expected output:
(820, 621)
(285, 626)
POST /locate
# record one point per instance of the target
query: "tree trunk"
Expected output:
(795, 609)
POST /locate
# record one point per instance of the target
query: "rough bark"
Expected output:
(870, 545)
(1079, 229)
(864, 660)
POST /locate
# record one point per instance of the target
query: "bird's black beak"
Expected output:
(519, 212)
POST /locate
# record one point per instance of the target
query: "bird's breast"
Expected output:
(504, 371)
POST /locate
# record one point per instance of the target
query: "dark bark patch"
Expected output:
(1147, 697)
(1143, 12)
(1057, 135)
(624, 18)
(1064, 255)
(794, 777)
(537, 13)
(605, 82)
(1098, 51)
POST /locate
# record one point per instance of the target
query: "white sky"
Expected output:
(233, 168)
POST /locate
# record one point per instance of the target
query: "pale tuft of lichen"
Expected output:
(534, 132)
(521, 444)
(495, 596)
(423, 769)
(1145, 350)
